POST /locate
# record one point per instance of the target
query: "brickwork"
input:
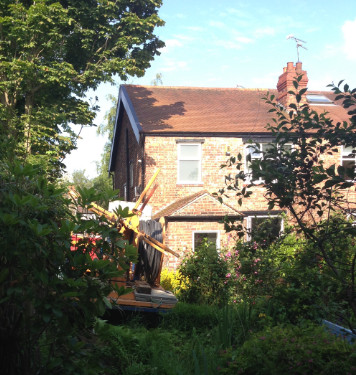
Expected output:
(179, 236)
(133, 153)
(285, 83)
(163, 153)
(205, 205)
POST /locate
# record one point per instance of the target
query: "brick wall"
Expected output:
(179, 237)
(134, 154)
(163, 154)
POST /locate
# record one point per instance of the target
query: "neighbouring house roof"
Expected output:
(200, 204)
(208, 110)
(159, 110)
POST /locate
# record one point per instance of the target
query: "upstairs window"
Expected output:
(257, 153)
(348, 160)
(189, 163)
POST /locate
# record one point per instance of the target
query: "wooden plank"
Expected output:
(139, 200)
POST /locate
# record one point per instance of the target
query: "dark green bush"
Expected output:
(204, 272)
(290, 350)
(48, 300)
(186, 317)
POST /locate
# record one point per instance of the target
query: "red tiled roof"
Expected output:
(190, 206)
(207, 110)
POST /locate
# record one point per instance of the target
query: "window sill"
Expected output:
(190, 184)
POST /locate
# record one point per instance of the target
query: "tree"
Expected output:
(52, 52)
(319, 197)
(48, 298)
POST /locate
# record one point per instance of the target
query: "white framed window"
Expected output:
(198, 237)
(352, 216)
(348, 159)
(189, 163)
(257, 153)
(272, 225)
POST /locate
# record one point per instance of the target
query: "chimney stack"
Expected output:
(285, 84)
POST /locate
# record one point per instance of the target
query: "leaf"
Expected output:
(303, 91)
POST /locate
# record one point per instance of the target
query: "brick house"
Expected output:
(188, 133)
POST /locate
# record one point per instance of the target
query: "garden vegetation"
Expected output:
(255, 308)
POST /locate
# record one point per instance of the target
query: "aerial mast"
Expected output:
(299, 43)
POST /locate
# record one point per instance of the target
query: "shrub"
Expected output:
(186, 317)
(288, 275)
(204, 273)
(291, 350)
(48, 300)
(173, 281)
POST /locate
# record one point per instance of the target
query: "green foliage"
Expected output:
(189, 317)
(172, 281)
(52, 52)
(136, 350)
(204, 272)
(49, 294)
(293, 281)
(299, 180)
(290, 350)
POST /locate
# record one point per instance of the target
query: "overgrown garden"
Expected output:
(253, 309)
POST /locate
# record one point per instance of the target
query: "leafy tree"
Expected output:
(51, 53)
(50, 292)
(317, 195)
(80, 180)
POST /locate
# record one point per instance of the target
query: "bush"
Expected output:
(291, 350)
(204, 273)
(173, 281)
(48, 300)
(288, 275)
(186, 317)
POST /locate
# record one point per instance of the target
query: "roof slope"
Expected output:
(208, 110)
(199, 204)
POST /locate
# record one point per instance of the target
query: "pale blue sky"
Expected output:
(229, 42)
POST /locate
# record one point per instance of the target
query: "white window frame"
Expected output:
(344, 156)
(249, 150)
(199, 159)
(249, 223)
(352, 216)
(217, 232)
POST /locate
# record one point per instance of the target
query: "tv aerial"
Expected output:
(298, 42)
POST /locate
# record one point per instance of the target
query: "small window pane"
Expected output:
(349, 165)
(266, 147)
(189, 152)
(189, 170)
(346, 151)
(287, 148)
(199, 238)
(265, 229)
